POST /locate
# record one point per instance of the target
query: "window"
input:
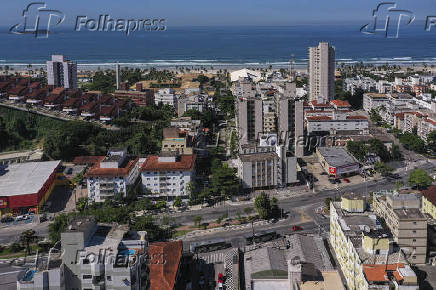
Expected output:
(86, 277)
(414, 240)
(109, 278)
(414, 232)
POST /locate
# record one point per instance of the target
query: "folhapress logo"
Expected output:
(38, 20)
(387, 19)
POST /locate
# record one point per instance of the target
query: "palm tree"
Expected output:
(26, 238)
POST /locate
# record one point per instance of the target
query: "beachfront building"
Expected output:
(168, 174)
(322, 72)
(61, 72)
(112, 175)
(166, 97)
(365, 252)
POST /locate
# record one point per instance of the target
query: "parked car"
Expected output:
(20, 218)
(297, 228)
(346, 180)
(338, 181)
(7, 219)
(332, 181)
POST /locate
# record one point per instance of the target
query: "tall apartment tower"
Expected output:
(248, 111)
(290, 119)
(118, 75)
(322, 72)
(61, 72)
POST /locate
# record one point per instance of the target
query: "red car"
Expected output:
(296, 228)
(346, 180)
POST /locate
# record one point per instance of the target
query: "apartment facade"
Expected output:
(408, 225)
(112, 175)
(168, 174)
(94, 256)
(429, 201)
(373, 101)
(322, 72)
(61, 72)
(364, 251)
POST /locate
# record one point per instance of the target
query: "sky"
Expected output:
(220, 13)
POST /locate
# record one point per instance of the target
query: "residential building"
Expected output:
(258, 169)
(303, 264)
(249, 116)
(402, 214)
(168, 174)
(93, 256)
(165, 265)
(166, 97)
(112, 175)
(373, 101)
(337, 162)
(336, 124)
(364, 251)
(61, 72)
(176, 140)
(191, 102)
(429, 201)
(322, 72)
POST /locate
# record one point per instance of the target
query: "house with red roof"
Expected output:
(165, 265)
(168, 174)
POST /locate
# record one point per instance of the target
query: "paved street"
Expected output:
(8, 276)
(301, 211)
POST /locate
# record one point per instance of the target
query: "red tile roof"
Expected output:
(34, 85)
(186, 163)
(377, 272)
(319, 118)
(315, 104)
(72, 102)
(85, 160)
(357, 118)
(58, 91)
(164, 264)
(430, 194)
(96, 170)
(17, 90)
(340, 103)
(430, 121)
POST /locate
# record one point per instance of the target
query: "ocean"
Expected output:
(221, 46)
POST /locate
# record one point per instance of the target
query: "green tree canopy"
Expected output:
(420, 178)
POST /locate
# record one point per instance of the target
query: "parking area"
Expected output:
(321, 177)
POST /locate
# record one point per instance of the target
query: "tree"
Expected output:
(377, 147)
(358, 149)
(262, 204)
(383, 168)
(197, 220)
(431, 141)
(327, 203)
(248, 210)
(419, 178)
(396, 152)
(412, 142)
(57, 227)
(82, 204)
(178, 202)
(26, 238)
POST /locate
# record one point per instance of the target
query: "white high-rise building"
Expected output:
(322, 72)
(118, 75)
(61, 72)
